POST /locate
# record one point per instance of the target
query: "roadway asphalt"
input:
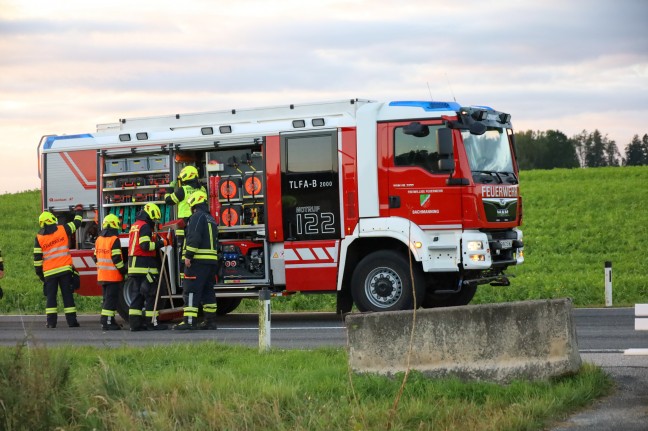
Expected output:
(624, 410)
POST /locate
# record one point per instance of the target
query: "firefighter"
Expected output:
(142, 267)
(187, 184)
(110, 270)
(201, 265)
(1, 273)
(53, 264)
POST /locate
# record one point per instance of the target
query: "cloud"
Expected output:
(570, 66)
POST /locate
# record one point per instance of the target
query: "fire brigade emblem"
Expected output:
(425, 200)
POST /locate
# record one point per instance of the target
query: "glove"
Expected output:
(161, 242)
(173, 184)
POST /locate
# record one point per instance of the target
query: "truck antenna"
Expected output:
(429, 91)
(449, 86)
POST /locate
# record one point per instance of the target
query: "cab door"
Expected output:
(413, 185)
(310, 201)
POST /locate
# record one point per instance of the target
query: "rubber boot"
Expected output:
(72, 320)
(185, 325)
(136, 323)
(51, 320)
(108, 324)
(151, 327)
(209, 323)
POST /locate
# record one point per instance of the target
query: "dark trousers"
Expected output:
(145, 297)
(200, 279)
(199, 289)
(50, 290)
(109, 305)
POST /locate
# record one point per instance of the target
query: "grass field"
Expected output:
(574, 221)
(207, 386)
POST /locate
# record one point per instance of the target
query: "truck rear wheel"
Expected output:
(128, 292)
(125, 298)
(226, 305)
(382, 282)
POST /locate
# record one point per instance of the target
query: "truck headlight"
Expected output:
(475, 245)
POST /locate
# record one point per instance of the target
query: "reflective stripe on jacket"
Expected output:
(141, 250)
(201, 241)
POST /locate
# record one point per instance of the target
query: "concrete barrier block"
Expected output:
(494, 342)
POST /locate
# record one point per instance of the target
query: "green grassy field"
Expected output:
(207, 386)
(574, 221)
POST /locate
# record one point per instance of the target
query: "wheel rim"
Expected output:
(383, 287)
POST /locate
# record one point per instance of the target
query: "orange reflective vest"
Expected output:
(56, 253)
(106, 268)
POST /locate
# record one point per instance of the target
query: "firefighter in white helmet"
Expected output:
(200, 256)
(110, 270)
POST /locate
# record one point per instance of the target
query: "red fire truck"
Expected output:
(389, 205)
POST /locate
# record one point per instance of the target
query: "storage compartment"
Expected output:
(137, 164)
(252, 214)
(115, 166)
(158, 163)
(229, 188)
(253, 185)
(231, 215)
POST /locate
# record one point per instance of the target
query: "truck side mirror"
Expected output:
(446, 153)
(416, 129)
(444, 138)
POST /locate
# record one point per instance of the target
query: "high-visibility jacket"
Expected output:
(47, 235)
(179, 197)
(201, 242)
(141, 249)
(109, 259)
(56, 253)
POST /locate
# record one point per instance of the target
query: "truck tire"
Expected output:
(128, 292)
(382, 282)
(226, 305)
(125, 298)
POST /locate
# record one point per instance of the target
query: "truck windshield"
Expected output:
(489, 156)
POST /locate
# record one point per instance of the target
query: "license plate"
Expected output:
(506, 243)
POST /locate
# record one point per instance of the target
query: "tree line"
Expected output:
(553, 149)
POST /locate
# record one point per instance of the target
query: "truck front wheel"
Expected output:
(382, 282)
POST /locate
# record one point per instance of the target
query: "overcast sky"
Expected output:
(66, 66)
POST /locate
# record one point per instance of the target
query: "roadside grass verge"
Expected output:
(209, 386)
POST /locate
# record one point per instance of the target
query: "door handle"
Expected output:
(394, 202)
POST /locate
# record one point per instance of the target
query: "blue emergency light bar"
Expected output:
(428, 106)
